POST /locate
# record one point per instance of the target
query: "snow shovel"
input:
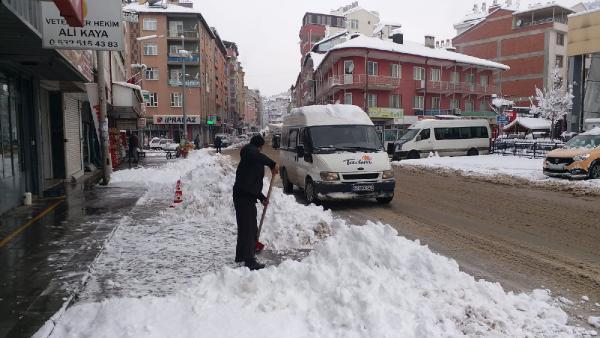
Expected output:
(260, 246)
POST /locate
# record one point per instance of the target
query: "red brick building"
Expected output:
(530, 41)
(314, 27)
(395, 80)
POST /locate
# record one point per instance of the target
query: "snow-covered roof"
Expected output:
(530, 123)
(586, 12)
(413, 48)
(383, 23)
(592, 120)
(594, 132)
(500, 102)
(317, 59)
(546, 6)
(171, 8)
(331, 114)
(330, 37)
(128, 85)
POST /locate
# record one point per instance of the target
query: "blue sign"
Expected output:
(502, 119)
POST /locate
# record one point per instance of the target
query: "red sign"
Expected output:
(74, 11)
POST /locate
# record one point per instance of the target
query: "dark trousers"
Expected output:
(245, 215)
(218, 149)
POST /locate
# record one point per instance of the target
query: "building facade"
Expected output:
(316, 26)
(235, 89)
(160, 33)
(47, 128)
(532, 42)
(394, 82)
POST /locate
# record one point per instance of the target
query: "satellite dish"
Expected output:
(351, 68)
(153, 2)
(519, 23)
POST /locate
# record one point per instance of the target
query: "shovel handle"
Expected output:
(264, 212)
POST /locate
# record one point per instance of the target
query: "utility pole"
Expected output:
(183, 85)
(104, 142)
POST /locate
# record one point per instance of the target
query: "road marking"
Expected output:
(29, 223)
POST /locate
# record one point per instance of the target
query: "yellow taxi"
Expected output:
(579, 158)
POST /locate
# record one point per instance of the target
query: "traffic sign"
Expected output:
(502, 119)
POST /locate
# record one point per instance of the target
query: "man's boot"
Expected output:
(254, 265)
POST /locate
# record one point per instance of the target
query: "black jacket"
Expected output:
(251, 171)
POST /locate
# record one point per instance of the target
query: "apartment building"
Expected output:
(358, 19)
(396, 81)
(253, 111)
(316, 27)
(235, 90)
(161, 32)
(531, 41)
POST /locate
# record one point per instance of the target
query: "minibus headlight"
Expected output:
(387, 174)
(329, 176)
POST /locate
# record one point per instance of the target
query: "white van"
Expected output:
(333, 152)
(446, 137)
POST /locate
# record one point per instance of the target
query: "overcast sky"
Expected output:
(266, 31)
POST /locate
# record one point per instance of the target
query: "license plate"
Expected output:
(556, 166)
(361, 188)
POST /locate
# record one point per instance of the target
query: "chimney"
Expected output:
(483, 7)
(397, 36)
(494, 6)
(429, 41)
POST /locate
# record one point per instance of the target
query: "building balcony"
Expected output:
(358, 81)
(194, 59)
(187, 35)
(449, 88)
(188, 83)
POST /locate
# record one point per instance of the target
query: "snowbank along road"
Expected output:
(175, 277)
(513, 230)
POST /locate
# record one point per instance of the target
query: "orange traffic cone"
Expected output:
(178, 195)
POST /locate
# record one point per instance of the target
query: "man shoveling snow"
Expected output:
(247, 190)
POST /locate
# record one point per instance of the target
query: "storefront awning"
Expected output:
(127, 101)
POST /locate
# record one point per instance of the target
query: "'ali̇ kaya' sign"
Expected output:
(103, 29)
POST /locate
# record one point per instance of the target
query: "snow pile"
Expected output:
(157, 250)
(593, 132)
(594, 321)
(361, 282)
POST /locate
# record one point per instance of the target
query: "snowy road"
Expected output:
(174, 272)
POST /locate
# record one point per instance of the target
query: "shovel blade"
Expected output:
(259, 246)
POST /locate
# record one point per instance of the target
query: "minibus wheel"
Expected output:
(473, 152)
(288, 187)
(413, 155)
(595, 171)
(309, 192)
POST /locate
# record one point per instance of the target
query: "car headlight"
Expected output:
(329, 176)
(581, 157)
(387, 174)
(398, 147)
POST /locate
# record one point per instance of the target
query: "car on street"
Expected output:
(225, 139)
(333, 152)
(171, 146)
(164, 143)
(444, 137)
(578, 159)
(154, 143)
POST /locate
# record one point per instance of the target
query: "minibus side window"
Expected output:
(425, 134)
(293, 140)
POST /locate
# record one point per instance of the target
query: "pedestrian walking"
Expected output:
(247, 191)
(197, 141)
(133, 143)
(218, 143)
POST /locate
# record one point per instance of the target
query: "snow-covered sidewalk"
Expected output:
(175, 270)
(500, 167)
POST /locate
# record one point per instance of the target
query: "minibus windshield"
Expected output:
(410, 134)
(345, 138)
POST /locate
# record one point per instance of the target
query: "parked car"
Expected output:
(445, 137)
(242, 138)
(225, 139)
(154, 143)
(333, 152)
(170, 146)
(579, 158)
(164, 143)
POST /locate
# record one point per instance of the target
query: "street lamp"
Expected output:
(184, 54)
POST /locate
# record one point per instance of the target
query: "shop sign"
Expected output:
(102, 29)
(177, 119)
(141, 122)
(385, 113)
